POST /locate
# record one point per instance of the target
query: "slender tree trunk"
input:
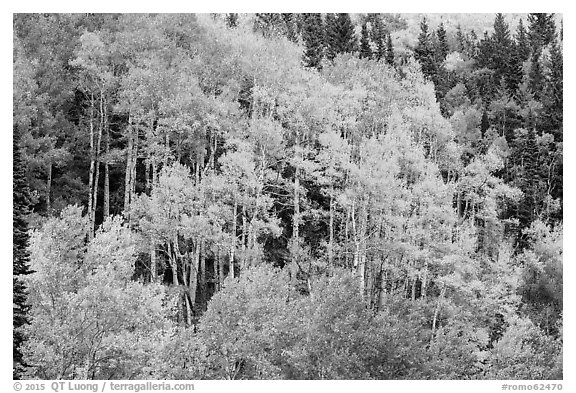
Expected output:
(92, 163)
(215, 266)
(173, 264)
(296, 217)
(221, 271)
(244, 237)
(153, 263)
(106, 167)
(202, 253)
(48, 188)
(425, 279)
(331, 229)
(383, 288)
(233, 245)
(193, 280)
(437, 310)
(133, 168)
(97, 175)
(128, 174)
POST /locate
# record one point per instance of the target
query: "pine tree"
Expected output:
(378, 34)
(365, 50)
(330, 36)
(291, 26)
(515, 72)
(340, 36)
(313, 37)
(21, 255)
(541, 30)
(232, 20)
(442, 47)
(424, 52)
(389, 51)
(460, 39)
(522, 43)
(501, 48)
(536, 76)
(485, 52)
(484, 123)
(553, 92)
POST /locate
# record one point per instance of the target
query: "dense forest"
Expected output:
(287, 196)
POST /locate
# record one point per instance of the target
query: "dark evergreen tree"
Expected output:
(541, 30)
(313, 37)
(485, 52)
(522, 43)
(460, 39)
(340, 36)
(442, 47)
(378, 34)
(290, 26)
(536, 76)
(424, 51)
(269, 24)
(553, 93)
(515, 73)
(21, 255)
(389, 51)
(365, 50)
(330, 36)
(501, 48)
(231, 20)
(484, 123)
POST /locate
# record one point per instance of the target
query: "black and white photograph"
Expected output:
(287, 196)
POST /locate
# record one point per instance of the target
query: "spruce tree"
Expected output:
(536, 76)
(378, 37)
(290, 26)
(514, 73)
(389, 51)
(442, 47)
(21, 255)
(424, 52)
(522, 43)
(313, 37)
(340, 36)
(485, 52)
(541, 30)
(501, 48)
(330, 36)
(460, 39)
(553, 92)
(231, 20)
(365, 50)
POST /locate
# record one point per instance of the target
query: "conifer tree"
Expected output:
(522, 43)
(389, 51)
(460, 39)
(21, 255)
(515, 72)
(442, 47)
(340, 36)
(501, 48)
(365, 50)
(553, 92)
(378, 34)
(541, 30)
(485, 52)
(330, 40)
(232, 20)
(290, 26)
(536, 75)
(313, 37)
(424, 52)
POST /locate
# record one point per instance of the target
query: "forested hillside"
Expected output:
(292, 196)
